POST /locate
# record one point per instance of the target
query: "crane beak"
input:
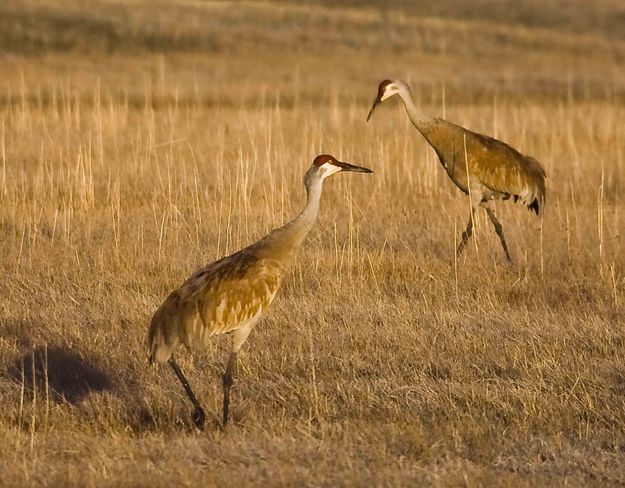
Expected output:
(351, 167)
(376, 102)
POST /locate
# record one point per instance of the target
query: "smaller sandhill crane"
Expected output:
(482, 167)
(233, 293)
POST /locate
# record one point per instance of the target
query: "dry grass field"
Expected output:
(141, 139)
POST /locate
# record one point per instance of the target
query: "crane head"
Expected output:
(325, 165)
(386, 89)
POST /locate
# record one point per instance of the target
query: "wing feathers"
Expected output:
(215, 300)
(505, 170)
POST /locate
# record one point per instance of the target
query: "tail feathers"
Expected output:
(538, 203)
(537, 176)
(161, 343)
(161, 348)
(534, 206)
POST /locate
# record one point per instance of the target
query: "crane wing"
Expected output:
(505, 170)
(216, 299)
(231, 291)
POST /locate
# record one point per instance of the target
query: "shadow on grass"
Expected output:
(61, 372)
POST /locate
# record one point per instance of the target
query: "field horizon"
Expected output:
(141, 140)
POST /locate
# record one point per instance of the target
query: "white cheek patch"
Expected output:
(329, 169)
(389, 92)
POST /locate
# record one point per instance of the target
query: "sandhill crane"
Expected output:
(232, 294)
(483, 167)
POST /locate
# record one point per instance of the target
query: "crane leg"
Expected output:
(466, 234)
(499, 230)
(198, 413)
(239, 336)
(228, 381)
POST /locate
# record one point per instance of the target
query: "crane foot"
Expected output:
(199, 417)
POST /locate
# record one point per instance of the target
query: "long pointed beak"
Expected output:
(351, 167)
(376, 102)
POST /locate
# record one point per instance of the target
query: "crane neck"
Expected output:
(300, 226)
(419, 120)
(285, 241)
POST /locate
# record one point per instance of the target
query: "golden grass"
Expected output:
(384, 361)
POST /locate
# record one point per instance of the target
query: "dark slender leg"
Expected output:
(466, 234)
(231, 369)
(499, 230)
(198, 413)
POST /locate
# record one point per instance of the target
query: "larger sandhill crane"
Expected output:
(232, 294)
(483, 167)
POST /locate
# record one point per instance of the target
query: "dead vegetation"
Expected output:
(127, 163)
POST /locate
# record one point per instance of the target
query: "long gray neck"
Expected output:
(302, 224)
(286, 240)
(420, 121)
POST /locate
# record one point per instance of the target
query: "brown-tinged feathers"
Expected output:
(496, 165)
(214, 300)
